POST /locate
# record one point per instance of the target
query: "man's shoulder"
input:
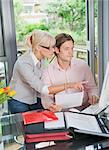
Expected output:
(78, 61)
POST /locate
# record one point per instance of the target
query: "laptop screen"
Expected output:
(104, 97)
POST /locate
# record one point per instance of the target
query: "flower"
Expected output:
(11, 93)
(1, 91)
(6, 89)
(6, 93)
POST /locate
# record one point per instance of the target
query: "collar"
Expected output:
(73, 62)
(34, 58)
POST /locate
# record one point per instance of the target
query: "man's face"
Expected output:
(66, 51)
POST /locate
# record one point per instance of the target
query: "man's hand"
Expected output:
(93, 99)
(55, 108)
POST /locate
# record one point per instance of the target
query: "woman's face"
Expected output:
(46, 52)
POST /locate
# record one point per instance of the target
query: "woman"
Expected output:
(26, 78)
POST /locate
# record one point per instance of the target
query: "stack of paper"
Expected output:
(68, 100)
(36, 131)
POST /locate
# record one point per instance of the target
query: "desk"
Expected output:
(12, 125)
(79, 144)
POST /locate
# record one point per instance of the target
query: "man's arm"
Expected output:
(91, 87)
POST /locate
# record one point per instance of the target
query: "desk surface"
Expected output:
(79, 144)
(12, 125)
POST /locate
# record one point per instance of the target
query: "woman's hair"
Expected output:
(39, 37)
(62, 38)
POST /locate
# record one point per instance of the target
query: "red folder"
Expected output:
(47, 134)
(36, 117)
(47, 137)
(53, 138)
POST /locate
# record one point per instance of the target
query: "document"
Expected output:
(68, 100)
(56, 124)
(82, 122)
(75, 120)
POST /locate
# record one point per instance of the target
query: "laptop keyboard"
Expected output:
(92, 109)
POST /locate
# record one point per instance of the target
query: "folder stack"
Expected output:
(38, 127)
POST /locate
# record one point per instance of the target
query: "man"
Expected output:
(68, 69)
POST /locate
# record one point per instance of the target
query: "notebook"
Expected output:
(104, 97)
(81, 123)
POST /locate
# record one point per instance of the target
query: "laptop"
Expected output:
(104, 97)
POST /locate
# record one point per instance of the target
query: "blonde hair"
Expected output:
(39, 37)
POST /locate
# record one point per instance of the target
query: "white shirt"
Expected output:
(45, 90)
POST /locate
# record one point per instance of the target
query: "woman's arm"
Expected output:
(62, 87)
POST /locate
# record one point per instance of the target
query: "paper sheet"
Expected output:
(82, 122)
(57, 123)
(44, 144)
(68, 100)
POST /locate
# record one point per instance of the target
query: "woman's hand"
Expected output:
(78, 85)
(55, 108)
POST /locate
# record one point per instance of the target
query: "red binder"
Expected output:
(36, 117)
(29, 138)
(47, 134)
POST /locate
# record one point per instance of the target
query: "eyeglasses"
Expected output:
(47, 47)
